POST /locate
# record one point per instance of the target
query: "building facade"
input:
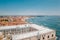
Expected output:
(27, 32)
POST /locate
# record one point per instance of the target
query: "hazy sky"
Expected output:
(29, 7)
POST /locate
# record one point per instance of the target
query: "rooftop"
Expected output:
(12, 20)
(20, 31)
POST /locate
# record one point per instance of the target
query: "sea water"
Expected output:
(52, 22)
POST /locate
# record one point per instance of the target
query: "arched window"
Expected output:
(48, 36)
(38, 39)
(43, 38)
(52, 35)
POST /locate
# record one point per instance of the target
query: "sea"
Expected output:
(52, 22)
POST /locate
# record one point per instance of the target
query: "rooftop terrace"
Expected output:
(24, 31)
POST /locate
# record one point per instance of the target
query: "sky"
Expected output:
(29, 7)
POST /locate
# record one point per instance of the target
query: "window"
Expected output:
(38, 39)
(52, 35)
(6, 20)
(43, 38)
(48, 36)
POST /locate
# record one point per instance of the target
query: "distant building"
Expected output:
(12, 20)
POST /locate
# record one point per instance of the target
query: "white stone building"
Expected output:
(27, 32)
